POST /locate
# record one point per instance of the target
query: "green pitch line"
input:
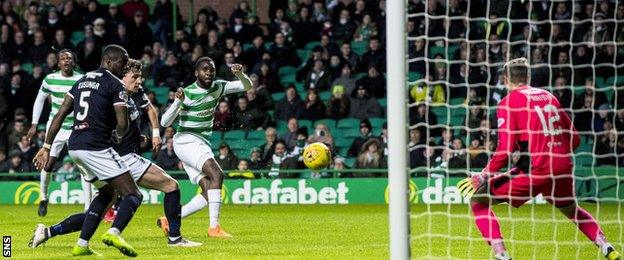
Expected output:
(326, 231)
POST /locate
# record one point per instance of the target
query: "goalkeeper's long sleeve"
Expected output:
(38, 106)
(170, 115)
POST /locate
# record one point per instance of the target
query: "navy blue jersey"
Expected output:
(95, 95)
(131, 142)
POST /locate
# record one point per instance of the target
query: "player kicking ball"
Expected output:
(530, 121)
(143, 172)
(55, 85)
(195, 106)
(99, 103)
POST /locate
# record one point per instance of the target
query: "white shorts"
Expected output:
(193, 151)
(99, 165)
(59, 141)
(137, 165)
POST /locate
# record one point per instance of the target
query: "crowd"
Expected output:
(317, 60)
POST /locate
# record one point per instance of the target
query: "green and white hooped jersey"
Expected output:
(57, 86)
(197, 110)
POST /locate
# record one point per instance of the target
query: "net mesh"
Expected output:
(456, 50)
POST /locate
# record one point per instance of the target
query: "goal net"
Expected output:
(456, 49)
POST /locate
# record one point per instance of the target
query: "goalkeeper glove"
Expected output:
(468, 186)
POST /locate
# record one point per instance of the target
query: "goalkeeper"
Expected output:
(530, 121)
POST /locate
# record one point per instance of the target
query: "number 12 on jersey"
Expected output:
(548, 124)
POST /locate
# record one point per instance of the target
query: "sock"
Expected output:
(128, 205)
(196, 204)
(70, 224)
(488, 225)
(114, 231)
(82, 242)
(214, 206)
(44, 182)
(86, 191)
(589, 226)
(94, 215)
(171, 202)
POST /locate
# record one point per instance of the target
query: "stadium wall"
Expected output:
(307, 191)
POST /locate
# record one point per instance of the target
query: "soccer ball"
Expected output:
(316, 156)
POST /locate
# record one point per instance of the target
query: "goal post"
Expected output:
(396, 61)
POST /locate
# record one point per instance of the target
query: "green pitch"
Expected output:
(326, 232)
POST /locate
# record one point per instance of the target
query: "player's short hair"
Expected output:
(133, 66)
(113, 52)
(202, 60)
(517, 70)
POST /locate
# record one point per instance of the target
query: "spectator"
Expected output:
(89, 56)
(455, 155)
(424, 157)
(430, 93)
(38, 52)
(255, 161)
(343, 30)
(583, 116)
(322, 134)
(15, 135)
(254, 53)
(268, 148)
(604, 113)
(282, 158)
(252, 29)
(415, 138)
(140, 33)
(226, 159)
(282, 53)
(371, 157)
(113, 17)
(248, 118)
(305, 29)
(172, 73)
(224, 118)
(339, 104)
(607, 149)
(366, 29)
(290, 137)
(17, 165)
(60, 41)
(4, 163)
(267, 79)
(365, 134)
(318, 77)
(340, 165)
(67, 172)
(375, 82)
(619, 119)
(313, 109)
(290, 106)
(363, 105)
(167, 158)
(335, 67)
(257, 101)
(346, 78)
(242, 171)
(131, 7)
(562, 92)
(224, 70)
(476, 151)
(27, 149)
(374, 56)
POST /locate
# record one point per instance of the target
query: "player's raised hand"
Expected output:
(156, 143)
(31, 132)
(41, 158)
(180, 94)
(237, 69)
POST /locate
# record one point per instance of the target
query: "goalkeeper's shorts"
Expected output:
(558, 189)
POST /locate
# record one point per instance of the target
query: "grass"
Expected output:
(315, 231)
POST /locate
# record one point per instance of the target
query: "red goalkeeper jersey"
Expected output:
(531, 121)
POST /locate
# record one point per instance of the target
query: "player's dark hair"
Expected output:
(74, 56)
(202, 60)
(113, 52)
(517, 70)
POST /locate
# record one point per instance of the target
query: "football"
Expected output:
(316, 156)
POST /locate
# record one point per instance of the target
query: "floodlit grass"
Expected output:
(334, 232)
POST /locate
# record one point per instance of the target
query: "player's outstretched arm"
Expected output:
(152, 113)
(237, 70)
(37, 108)
(41, 158)
(170, 115)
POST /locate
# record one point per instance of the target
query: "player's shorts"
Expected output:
(138, 165)
(99, 165)
(59, 141)
(558, 189)
(193, 152)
